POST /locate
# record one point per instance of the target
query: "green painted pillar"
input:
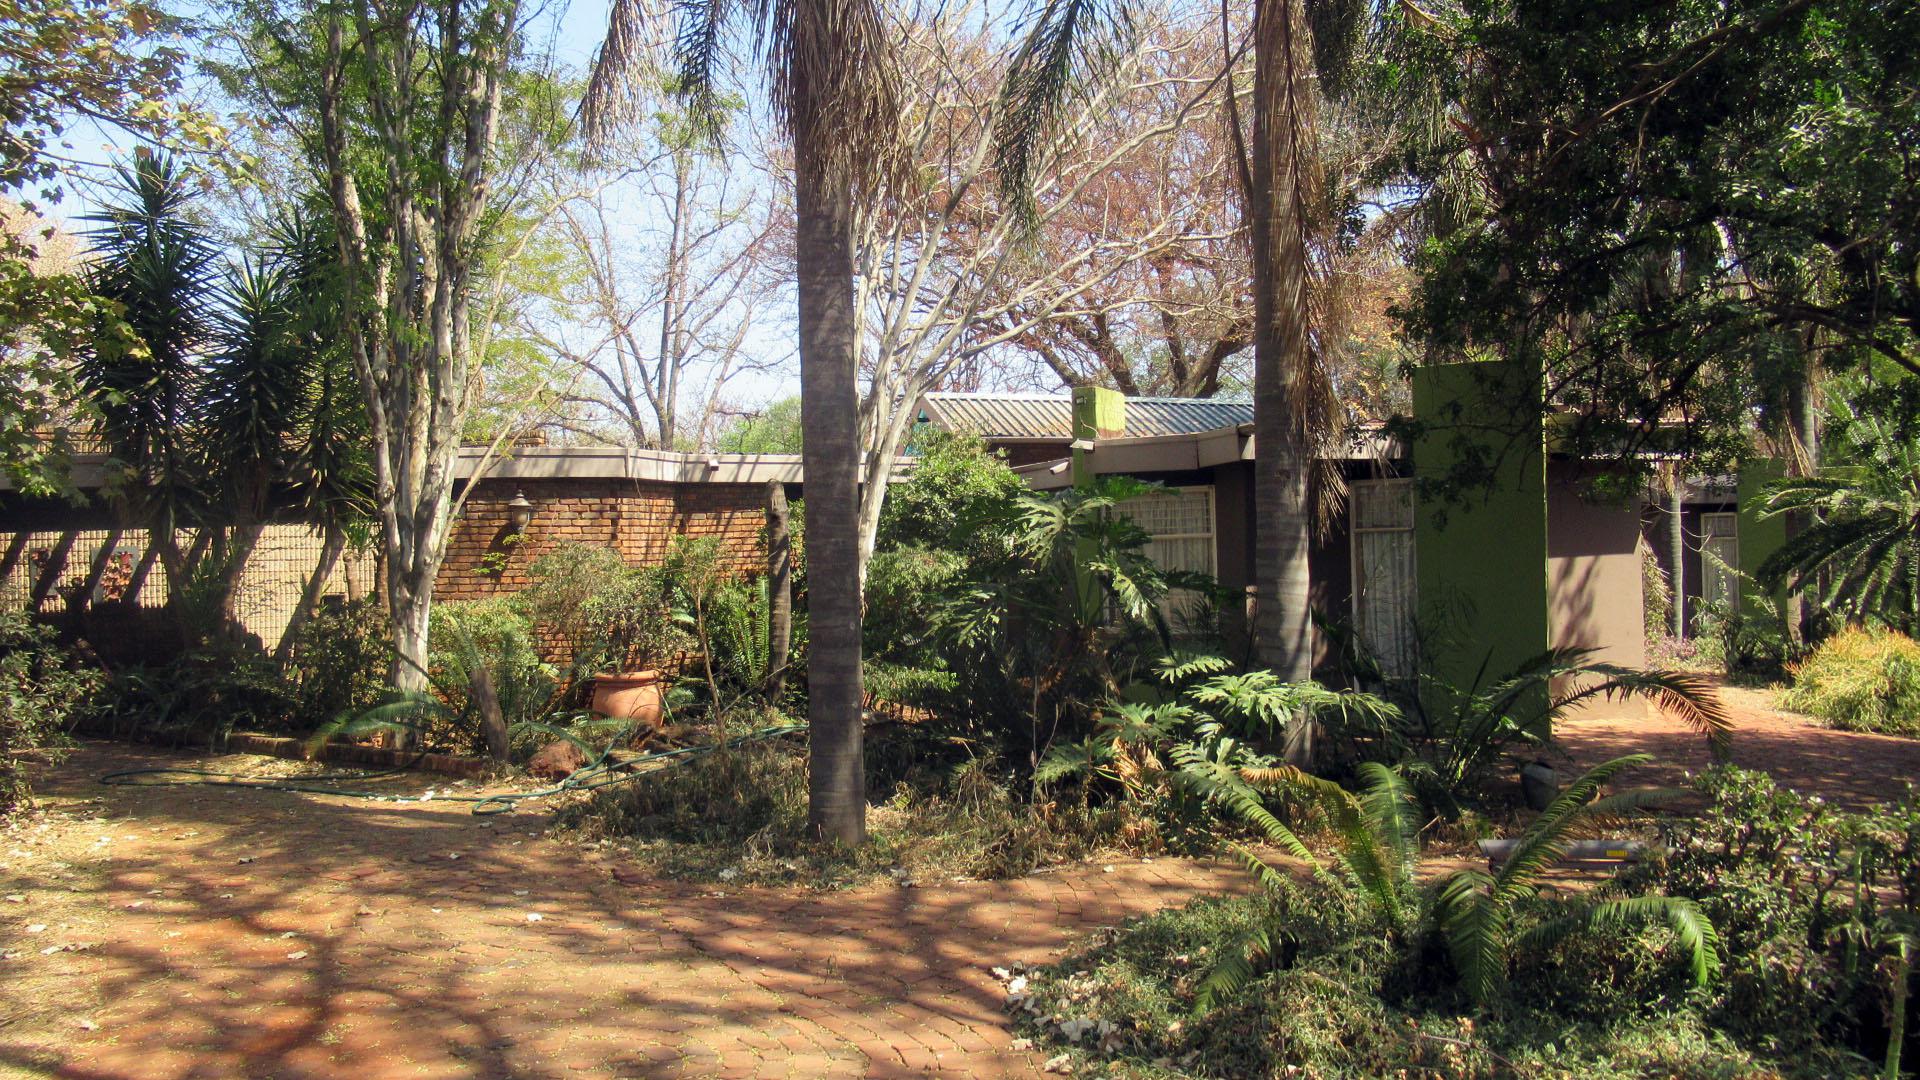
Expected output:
(1480, 562)
(1098, 413)
(1758, 537)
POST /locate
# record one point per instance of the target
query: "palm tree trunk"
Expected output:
(830, 431)
(1283, 630)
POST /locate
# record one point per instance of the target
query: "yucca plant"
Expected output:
(1481, 914)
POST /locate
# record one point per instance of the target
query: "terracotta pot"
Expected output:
(629, 695)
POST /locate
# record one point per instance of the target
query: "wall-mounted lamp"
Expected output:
(520, 512)
(1086, 445)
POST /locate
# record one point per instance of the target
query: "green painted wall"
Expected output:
(1098, 413)
(1759, 537)
(1480, 561)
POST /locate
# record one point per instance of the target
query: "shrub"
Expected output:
(339, 662)
(41, 695)
(214, 688)
(1861, 680)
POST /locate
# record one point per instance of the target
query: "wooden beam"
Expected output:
(84, 598)
(50, 573)
(140, 572)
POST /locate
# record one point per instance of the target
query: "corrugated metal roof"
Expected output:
(1050, 416)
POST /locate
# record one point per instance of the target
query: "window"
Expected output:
(1383, 588)
(1180, 523)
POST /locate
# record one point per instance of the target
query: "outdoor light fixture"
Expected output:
(520, 512)
(1082, 444)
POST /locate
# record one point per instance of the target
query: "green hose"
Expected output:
(602, 772)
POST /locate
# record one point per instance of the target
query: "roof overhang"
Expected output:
(1185, 453)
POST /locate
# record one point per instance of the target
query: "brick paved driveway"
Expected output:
(186, 932)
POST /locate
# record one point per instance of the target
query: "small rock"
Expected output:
(557, 760)
(1062, 1063)
(88, 1025)
(16, 898)
(534, 916)
(37, 928)
(1023, 1044)
(301, 955)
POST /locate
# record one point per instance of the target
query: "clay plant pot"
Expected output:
(630, 695)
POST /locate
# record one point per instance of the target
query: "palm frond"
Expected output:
(1693, 931)
(1065, 47)
(1234, 969)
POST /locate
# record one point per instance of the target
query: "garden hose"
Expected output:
(602, 772)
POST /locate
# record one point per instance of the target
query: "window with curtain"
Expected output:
(1180, 522)
(1383, 587)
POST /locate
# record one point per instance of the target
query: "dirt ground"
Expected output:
(193, 932)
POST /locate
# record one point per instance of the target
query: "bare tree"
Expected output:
(674, 290)
(949, 281)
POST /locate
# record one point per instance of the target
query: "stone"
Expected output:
(557, 760)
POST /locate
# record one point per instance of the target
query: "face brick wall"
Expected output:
(637, 518)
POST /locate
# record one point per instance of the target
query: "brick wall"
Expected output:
(635, 517)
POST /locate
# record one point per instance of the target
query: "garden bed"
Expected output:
(350, 753)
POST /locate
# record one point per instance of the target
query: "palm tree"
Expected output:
(1861, 542)
(158, 270)
(831, 75)
(1072, 41)
(252, 392)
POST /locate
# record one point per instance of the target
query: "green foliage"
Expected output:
(740, 815)
(339, 662)
(956, 483)
(775, 431)
(1859, 552)
(1201, 741)
(1480, 913)
(1333, 998)
(214, 687)
(615, 617)
(42, 694)
(1694, 206)
(1809, 899)
(1064, 611)
(117, 64)
(1861, 680)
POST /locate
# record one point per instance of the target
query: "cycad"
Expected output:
(1861, 545)
(1478, 912)
(1373, 856)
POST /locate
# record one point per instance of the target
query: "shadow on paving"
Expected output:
(351, 944)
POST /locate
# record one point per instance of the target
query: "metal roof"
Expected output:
(1050, 416)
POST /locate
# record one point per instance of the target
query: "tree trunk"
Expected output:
(493, 724)
(779, 589)
(238, 550)
(1283, 630)
(331, 545)
(830, 432)
(1677, 550)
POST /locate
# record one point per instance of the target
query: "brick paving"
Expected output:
(1850, 768)
(198, 933)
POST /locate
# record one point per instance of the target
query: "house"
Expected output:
(1493, 578)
